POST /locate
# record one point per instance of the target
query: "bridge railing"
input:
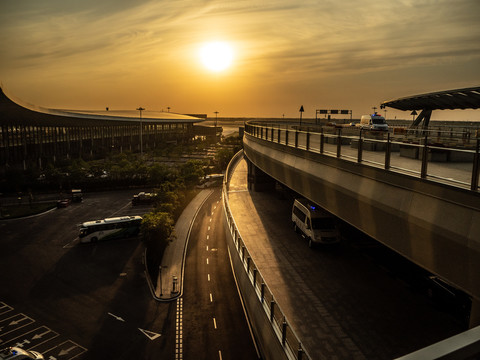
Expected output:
(280, 325)
(448, 157)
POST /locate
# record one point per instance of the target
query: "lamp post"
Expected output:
(216, 114)
(141, 127)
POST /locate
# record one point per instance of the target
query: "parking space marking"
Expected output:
(33, 338)
(20, 330)
(66, 350)
(11, 323)
(4, 308)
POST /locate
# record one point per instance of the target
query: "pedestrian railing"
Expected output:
(448, 157)
(284, 332)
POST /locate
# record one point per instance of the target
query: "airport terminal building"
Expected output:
(33, 136)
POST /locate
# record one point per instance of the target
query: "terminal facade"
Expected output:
(32, 136)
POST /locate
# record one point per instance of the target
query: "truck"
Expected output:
(373, 122)
(314, 223)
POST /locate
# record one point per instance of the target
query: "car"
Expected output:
(17, 353)
(143, 198)
(63, 203)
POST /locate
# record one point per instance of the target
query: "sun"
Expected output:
(216, 56)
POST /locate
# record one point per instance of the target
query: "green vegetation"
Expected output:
(171, 171)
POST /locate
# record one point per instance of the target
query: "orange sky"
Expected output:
(341, 54)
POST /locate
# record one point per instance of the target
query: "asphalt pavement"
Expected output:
(169, 283)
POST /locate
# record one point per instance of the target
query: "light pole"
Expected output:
(216, 114)
(160, 273)
(141, 127)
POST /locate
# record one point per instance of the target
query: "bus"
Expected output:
(110, 228)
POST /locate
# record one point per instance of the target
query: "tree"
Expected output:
(191, 172)
(157, 228)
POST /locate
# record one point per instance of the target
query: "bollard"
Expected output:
(388, 153)
(423, 172)
(360, 147)
(300, 351)
(475, 170)
(339, 143)
(174, 287)
(272, 309)
(322, 140)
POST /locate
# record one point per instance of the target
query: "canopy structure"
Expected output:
(15, 111)
(467, 98)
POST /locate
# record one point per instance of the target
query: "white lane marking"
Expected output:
(208, 277)
(207, 261)
(214, 323)
(220, 354)
(179, 331)
(116, 317)
(207, 247)
(208, 228)
(211, 297)
(208, 237)
(150, 334)
(72, 243)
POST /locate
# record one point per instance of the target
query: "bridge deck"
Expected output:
(339, 304)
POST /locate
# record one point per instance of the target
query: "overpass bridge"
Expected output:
(414, 191)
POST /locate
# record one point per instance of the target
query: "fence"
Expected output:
(282, 329)
(444, 156)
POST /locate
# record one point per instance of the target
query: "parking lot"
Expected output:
(70, 300)
(20, 330)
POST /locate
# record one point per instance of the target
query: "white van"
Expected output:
(314, 223)
(373, 122)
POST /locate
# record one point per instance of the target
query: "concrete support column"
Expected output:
(475, 313)
(258, 180)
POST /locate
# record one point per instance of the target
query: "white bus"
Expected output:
(111, 228)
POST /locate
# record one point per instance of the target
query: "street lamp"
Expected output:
(216, 114)
(141, 126)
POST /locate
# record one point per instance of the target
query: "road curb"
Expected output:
(147, 275)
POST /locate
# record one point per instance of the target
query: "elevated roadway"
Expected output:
(428, 212)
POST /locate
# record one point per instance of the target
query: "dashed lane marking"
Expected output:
(179, 331)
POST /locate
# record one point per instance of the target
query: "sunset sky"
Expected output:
(322, 54)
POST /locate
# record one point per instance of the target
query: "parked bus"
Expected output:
(111, 228)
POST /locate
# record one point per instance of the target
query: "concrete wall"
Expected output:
(267, 340)
(434, 225)
(267, 332)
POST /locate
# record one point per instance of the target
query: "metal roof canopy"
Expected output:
(18, 112)
(467, 98)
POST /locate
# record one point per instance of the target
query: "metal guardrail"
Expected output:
(376, 148)
(284, 332)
